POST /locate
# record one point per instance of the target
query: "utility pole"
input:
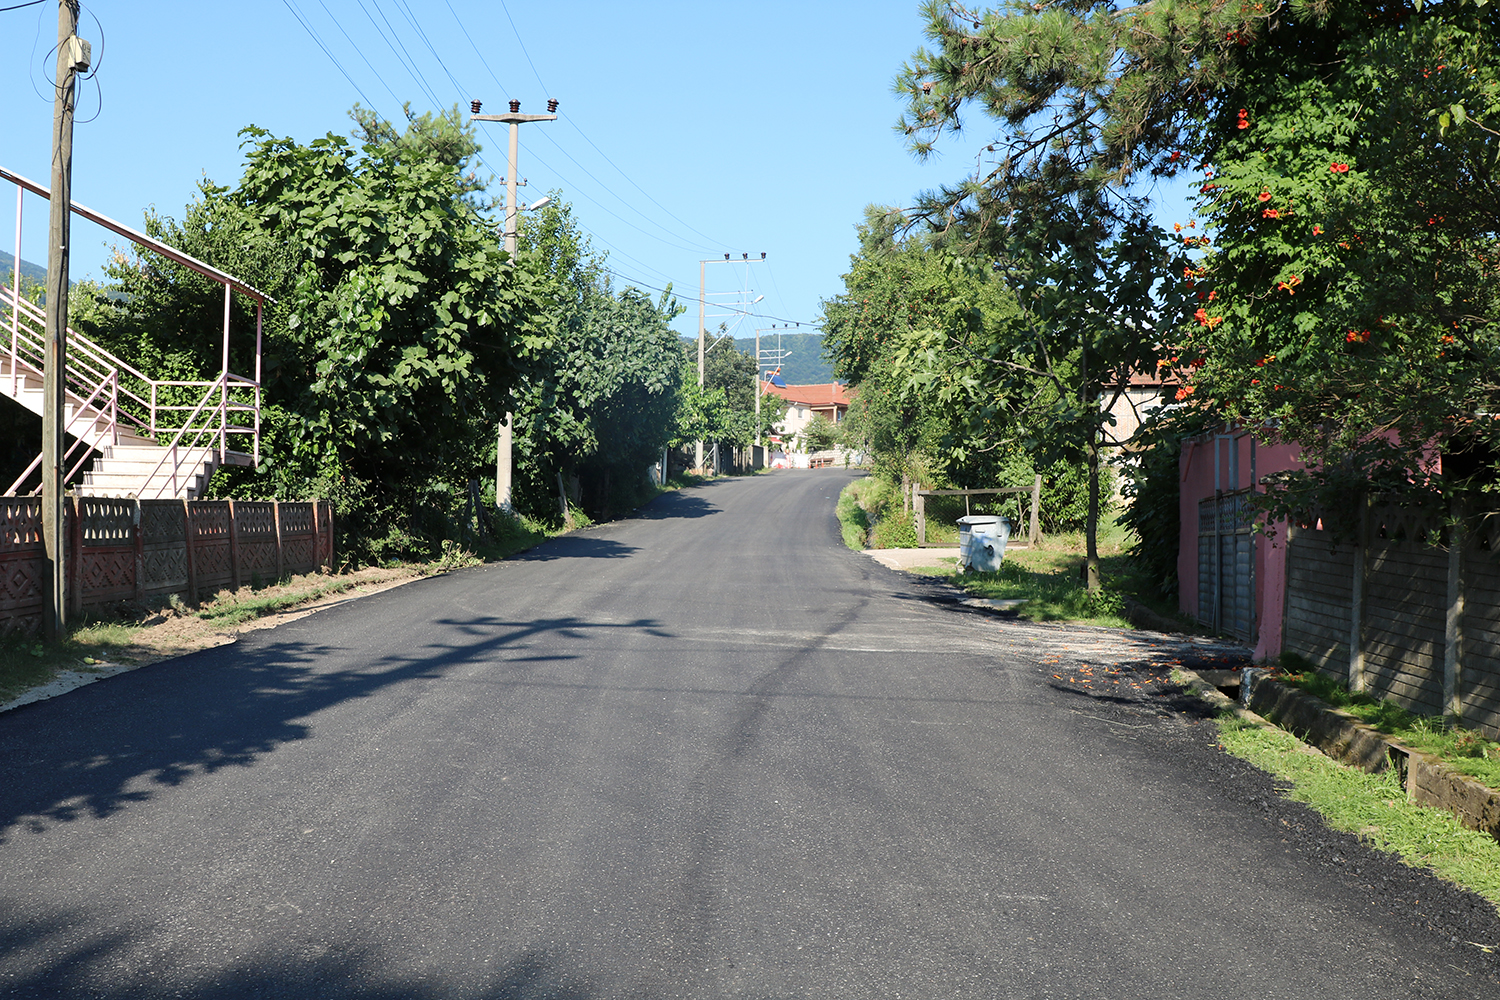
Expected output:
(702, 305)
(72, 56)
(512, 219)
(780, 357)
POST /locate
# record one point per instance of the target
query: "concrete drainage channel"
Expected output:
(1427, 780)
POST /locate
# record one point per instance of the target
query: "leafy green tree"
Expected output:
(399, 330)
(602, 401)
(723, 410)
(1351, 298)
(900, 289)
(1084, 98)
(820, 433)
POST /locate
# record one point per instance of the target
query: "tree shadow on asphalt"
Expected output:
(671, 505)
(104, 966)
(101, 748)
(577, 547)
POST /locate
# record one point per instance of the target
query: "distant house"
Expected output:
(806, 401)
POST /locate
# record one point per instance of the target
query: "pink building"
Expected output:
(1230, 576)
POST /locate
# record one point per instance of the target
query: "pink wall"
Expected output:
(1197, 481)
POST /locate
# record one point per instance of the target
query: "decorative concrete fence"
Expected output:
(133, 550)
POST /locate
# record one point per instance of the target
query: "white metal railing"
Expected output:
(111, 398)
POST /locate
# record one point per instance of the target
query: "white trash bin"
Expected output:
(981, 542)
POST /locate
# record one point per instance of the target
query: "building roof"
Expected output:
(824, 394)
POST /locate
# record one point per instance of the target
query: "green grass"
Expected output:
(1046, 577)
(854, 521)
(1372, 806)
(27, 662)
(1048, 596)
(1465, 750)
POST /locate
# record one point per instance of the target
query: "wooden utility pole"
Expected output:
(512, 219)
(72, 57)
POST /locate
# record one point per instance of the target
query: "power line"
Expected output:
(403, 56)
(301, 19)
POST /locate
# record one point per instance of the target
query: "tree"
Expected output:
(601, 403)
(821, 434)
(400, 326)
(899, 288)
(1351, 299)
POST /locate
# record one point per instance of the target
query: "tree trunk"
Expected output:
(1091, 528)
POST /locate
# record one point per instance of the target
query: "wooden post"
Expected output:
(280, 559)
(1036, 517)
(919, 508)
(1453, 705)
(190, 546)
(72, 57)
(1357, 602)
(234, 547)
(74, 555)
(138, 523)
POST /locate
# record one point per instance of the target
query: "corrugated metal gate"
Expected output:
(1226, 564)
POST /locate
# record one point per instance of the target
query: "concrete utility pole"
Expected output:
(512, 218)
(780, 357)
(72, 57)
(702, 305)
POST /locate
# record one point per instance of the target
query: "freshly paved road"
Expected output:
(706, 752)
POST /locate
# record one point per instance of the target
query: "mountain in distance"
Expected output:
(29, 271)
(804, 363)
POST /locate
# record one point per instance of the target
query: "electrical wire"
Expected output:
(576, 127)
(291, 6)
(33, 3)
(359, 52)
(403, 56)
(521, 42)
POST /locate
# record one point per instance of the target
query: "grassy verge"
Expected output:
(1047, 577)
(1048, 596)
(1467, 751)
(1371, 806)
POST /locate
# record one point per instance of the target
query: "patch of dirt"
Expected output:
(172, 631)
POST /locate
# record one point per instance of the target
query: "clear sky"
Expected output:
(687, 130)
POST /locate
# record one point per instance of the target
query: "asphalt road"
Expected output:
(706, 752)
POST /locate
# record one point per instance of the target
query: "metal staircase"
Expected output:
(148, 438)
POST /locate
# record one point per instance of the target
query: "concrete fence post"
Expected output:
(1357, 600)
(138, 533)
(74, 556)
(234, 548)
(1453, 705)
(280, 558)
(190, 546)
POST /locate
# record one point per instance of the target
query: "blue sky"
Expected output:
(687, 129)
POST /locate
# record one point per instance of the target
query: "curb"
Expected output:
(1427, 780)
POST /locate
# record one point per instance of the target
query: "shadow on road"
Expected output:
(577, 547)
(323, 969)
(678, 504)
(89, 755)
